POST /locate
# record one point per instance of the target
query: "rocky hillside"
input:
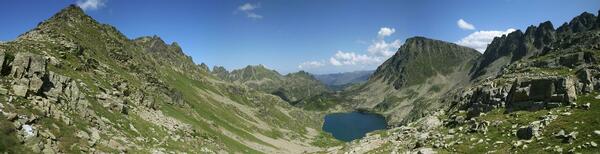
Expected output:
(292, 87)
(411, 82)
(74, 85)
(532, 92)
(339, 81)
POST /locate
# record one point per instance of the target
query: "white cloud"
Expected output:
(479, 40)
(91, 4)
(311, 64)
(462, 24)
(334, 62)
(350, 58)
(385, 31)
(381, 48)
(378, 51)
(249, 9)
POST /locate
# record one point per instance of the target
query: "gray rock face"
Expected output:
(589, 79)
(585, 21)
(484, 98)
(27, 70)
(58, 85)
(539, 93)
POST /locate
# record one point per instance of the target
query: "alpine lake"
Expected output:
(353, 125)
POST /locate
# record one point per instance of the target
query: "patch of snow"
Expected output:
(28, 129)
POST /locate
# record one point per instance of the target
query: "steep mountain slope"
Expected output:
(536, 41)
(73, 85)
(410, 83)
(292, 87)
(525, 97)
(339, 81)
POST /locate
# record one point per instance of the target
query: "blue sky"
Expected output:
(319, 36)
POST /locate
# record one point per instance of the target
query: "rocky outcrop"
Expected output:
(483, 98)
(539, 93)
(56, 85)
(588, 79)
(27, 71)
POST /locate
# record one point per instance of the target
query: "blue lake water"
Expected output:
(352, 125)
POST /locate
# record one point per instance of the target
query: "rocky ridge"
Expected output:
(293, 87)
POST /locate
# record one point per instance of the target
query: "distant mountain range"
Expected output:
(338, 81)
(292, 87)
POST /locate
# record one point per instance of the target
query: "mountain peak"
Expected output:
(259, 66)
(71, 13)
(301, 73)
(73, 9)
(419, 39)
(418, 51)
(583, 22)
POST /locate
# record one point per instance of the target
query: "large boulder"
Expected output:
(429, 123)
